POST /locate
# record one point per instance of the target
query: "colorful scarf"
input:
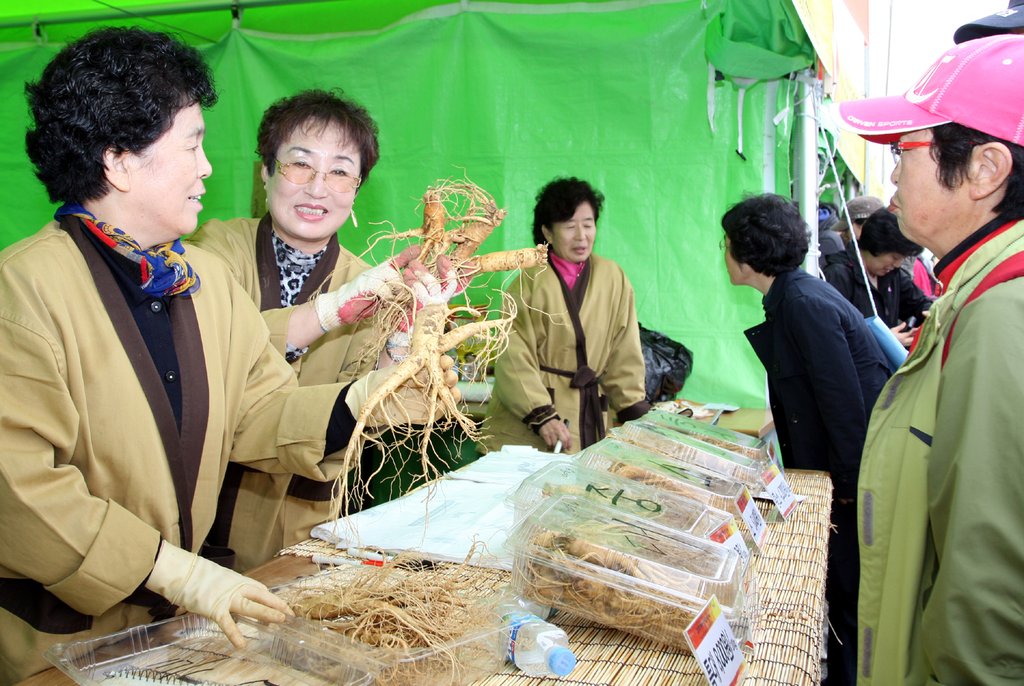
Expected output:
(163, 269)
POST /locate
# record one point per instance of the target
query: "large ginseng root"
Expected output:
(457, 218)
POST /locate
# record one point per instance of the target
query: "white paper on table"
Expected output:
(508, 466)
(444, 520)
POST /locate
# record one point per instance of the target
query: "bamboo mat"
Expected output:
(790, 577)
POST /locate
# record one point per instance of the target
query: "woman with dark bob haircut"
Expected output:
(317, 150)
(134, 369)
(825, 371)
(882, 249)
(574, 353)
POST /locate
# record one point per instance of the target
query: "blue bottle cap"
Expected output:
(561, 661)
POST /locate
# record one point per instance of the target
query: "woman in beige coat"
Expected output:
(317, 149)
(134, 370)
(574, 351)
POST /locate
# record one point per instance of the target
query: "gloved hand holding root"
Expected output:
(400, 408)
(408, 404)
(361, 297)
(205, 588)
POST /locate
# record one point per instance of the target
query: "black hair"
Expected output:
(114, 89)
(318, 109)
(767, 233)
(558, 201)
(881, 234)
(952, 147)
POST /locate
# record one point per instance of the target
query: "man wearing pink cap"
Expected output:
(942, 476)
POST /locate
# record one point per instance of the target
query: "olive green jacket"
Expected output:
(939, 500)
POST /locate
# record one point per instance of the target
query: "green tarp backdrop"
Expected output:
(510, 95)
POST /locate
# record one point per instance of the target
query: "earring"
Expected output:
(355, 222)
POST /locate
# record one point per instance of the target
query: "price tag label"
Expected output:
(714, 645)
(778, 490)
(751, 516)
(729, 535)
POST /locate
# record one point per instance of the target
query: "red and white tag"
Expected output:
(751, 516)
(729, 535)
(778, 490)
(714, 645)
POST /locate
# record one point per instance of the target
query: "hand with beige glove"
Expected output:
(205, 588)
(408, 404)
(361, 297)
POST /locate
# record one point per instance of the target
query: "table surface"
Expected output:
(790, 578)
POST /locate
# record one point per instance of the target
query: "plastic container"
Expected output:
(535, 646)
(733, 441)
(623, 571)
(690, 450)
(192, 650)
(668, 475)
(670, 509)
(475, 654)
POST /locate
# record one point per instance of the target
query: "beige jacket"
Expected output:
(263, 513)
(544, 338)
(87, 483)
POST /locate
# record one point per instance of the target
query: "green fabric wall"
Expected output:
(512, 98)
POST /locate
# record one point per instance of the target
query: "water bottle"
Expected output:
(537, 647)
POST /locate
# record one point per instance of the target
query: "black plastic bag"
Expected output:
(667, 364)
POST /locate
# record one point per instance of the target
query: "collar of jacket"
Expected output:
(773, 298)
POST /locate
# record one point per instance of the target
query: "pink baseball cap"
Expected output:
(976, 84)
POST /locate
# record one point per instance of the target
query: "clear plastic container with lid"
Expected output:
(623, 571)
(667, 473)
(467, 655)
(690, 450)
(733, 441)
(673, 510)
(192, 649)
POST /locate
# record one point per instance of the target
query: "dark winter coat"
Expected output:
(825, 371)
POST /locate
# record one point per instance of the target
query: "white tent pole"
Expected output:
(805, 172)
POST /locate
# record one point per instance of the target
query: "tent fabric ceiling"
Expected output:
(614, 90)
(207, 21)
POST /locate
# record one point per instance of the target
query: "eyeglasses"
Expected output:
(899, 147)
(301, 173)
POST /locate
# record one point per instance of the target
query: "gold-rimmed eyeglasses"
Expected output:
(300, 173)
(899, 147)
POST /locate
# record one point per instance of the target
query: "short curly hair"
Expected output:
(322, 109)
(114, 89)
(767, 233)
(558, 200)
(881, 234)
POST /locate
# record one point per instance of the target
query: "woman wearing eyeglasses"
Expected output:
(317, 148)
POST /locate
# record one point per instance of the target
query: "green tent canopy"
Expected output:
(509, 95)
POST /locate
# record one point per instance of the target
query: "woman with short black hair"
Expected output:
(825, 371)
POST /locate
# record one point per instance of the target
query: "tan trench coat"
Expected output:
(543, 336)
(269, 512)
(86, 486)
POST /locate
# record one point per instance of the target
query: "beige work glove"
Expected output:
(208, 589)
(361, 297)
(408, 404)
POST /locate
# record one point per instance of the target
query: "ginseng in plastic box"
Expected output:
(727, 439)
(475, 654)
(669, 474)
(624, 571)
(676, 511)
(192, 650)
(688, 449)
